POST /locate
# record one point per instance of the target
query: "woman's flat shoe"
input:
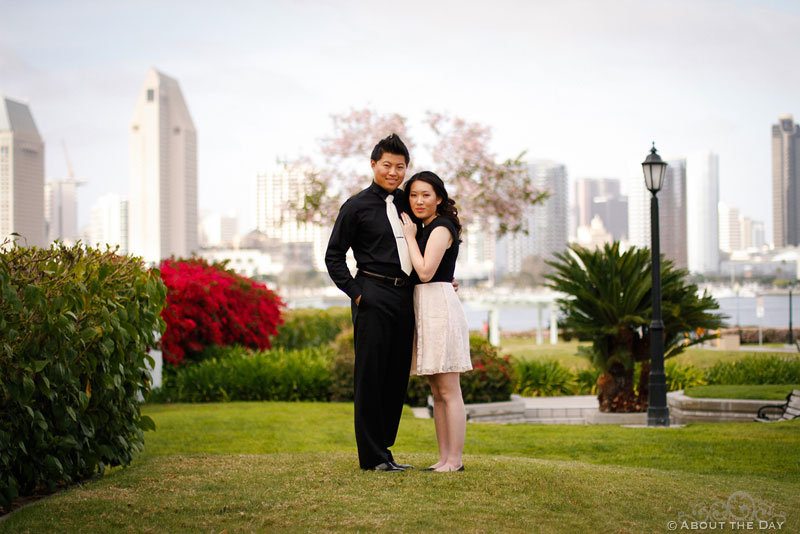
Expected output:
(451, 471)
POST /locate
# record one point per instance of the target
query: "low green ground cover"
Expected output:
(755, 392)
(291, 467)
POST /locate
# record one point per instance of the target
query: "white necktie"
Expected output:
(400, 239)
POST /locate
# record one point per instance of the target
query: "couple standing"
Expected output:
(404, 321)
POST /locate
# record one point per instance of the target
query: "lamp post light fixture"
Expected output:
(657, 411)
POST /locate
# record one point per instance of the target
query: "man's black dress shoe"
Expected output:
(388, 467)
(401, 466)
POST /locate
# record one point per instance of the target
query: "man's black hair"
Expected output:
(393, 145)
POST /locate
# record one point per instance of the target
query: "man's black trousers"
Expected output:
(383, 325)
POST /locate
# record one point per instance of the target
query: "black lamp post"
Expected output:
(657, 411)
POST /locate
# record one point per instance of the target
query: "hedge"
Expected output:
(75, 325)
(310, 327)
(240, 375)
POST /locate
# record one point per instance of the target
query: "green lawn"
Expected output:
(566, 353)
(764, 392)
(291, 467)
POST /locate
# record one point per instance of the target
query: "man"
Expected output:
(382, 302)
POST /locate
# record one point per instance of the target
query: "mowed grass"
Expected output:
(752, 392)
(292, 467)
(526, 348)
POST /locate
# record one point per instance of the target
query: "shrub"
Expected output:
(682, 376)
(586, 381)
(537, 378)
(768, 335)
(489, 381)
(210, 305)
(76, 324)
(275, 375)
(342, 367)
(311, 328)
(755, 370)
(491, 377)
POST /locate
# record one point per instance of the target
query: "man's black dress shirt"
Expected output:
(363, 226)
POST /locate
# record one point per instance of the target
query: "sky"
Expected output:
(586, 83)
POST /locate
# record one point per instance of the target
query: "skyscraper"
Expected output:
(60, 210)
(785, 186)
(731, 224)
(671, 211)
(109, 223)
(279, 192)
(21, 175)
(702, 221)
(602, 198)
(163, 172)
(546, 222)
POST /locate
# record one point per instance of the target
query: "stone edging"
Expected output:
(683, 409)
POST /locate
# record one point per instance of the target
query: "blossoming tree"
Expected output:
(483, 186)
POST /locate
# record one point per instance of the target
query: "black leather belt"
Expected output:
(397, 282)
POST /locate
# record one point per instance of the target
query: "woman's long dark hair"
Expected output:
(447, 208)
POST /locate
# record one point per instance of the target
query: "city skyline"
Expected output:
(589, 84)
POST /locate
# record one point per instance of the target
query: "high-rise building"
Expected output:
(21, 175)
(163, 172)
(279, 193)
(218, 230)
(752, 234)
(61, 210)
(702, 221)
(601, 198)
(786, 182)
(109, 223)
(546, 222)
(730, 228)
(671, 210)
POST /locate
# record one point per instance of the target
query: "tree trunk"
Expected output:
(615, 390)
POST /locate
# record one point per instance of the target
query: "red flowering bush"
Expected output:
(210, 305)
(491, 379)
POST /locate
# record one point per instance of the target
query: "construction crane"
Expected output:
(69, 163)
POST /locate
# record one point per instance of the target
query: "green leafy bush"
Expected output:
(586, 381)
(536, 378)
(489, 381)
(311, 327)
(755, 370)
(682, 376)
(75, 324)
(341, 367)
(275, 375)
(492, 374)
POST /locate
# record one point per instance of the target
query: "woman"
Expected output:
(441, 337)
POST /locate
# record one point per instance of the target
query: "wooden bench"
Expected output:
(781, 412)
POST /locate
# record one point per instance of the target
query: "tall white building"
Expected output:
(163, 172)
(21, 175)
(109, 223)
(546, 222)
(730, 228)
(702, 221)
(279, 191)
(61, 210)
(218, 230)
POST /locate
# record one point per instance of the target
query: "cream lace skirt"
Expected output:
(441, 336)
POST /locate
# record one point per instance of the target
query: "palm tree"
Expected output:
(608, 302)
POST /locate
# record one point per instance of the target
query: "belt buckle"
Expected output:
(398, 282)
